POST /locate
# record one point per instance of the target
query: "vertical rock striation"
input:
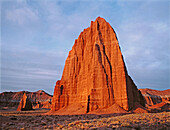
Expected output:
(95, 75)
(24, 104)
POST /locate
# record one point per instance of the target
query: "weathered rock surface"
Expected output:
(24, 104)
(38, 105)
(95, 75)
(157, 101)
(139, 109)
(153, 97)
(11, 100)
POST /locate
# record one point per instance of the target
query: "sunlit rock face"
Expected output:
(24, 104)
(95, 75)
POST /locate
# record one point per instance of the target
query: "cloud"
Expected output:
(160, 27)
(146, 49)
(22, 15)
(37, 36)
(30, 68)
(144, 40)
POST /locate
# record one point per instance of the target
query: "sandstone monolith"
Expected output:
(95, 76)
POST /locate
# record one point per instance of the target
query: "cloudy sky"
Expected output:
(36, 36)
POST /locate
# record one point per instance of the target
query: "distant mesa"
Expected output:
(153, 97)
(39, 99)
(95, 78)
(156, 101)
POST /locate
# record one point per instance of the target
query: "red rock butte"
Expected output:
(95, 77)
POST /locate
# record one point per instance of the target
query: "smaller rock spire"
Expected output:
(24, 104)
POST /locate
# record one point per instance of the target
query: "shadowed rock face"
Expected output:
(24, 104)
(95, 75)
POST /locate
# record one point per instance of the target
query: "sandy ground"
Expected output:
(36, 120)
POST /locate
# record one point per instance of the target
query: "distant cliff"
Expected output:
(153, 97)
(157, 100)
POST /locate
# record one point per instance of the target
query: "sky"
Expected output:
(36, 36)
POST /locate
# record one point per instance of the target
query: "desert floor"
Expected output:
(36, 120)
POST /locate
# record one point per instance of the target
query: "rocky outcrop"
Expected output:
(39, 105)
(11, 100)
(156, 101)
(95, 76)
(24, 104)
(154, 97)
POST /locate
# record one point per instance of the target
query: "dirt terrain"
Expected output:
(38, 120)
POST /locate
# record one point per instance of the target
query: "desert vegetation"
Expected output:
(38, 120)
